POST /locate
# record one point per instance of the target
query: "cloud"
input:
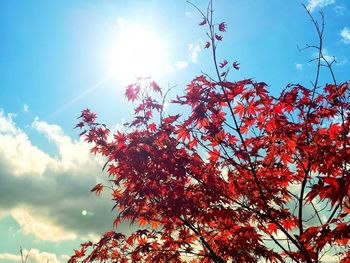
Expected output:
(313, 4)
(25, 108)
(339, 61)
(34, 256)
(181, 64)
(6, 123)
(169, 68)
(46, 194)
(328, 57)
(193, 51)
(299, 66)
(122, 22)
(16, 150)
(340, 10)
(44, 229)
(10, 257)
(345, 34)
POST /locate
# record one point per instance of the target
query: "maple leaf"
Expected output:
(309, 233)
(142, 221)
(98, 188)
(132, 91)
(152, 127)
(272, 228)
(182, 133)
(155, 87)
(214, 155)
(116, 222)
(80, 253)
(223, 64)
(240, 109)
(278, 109)
(288, 223)
(218, 37)
(203, 22)
(193, 143)
(235, 65)
(171, 119)
(222, 27)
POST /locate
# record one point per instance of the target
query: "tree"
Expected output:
(244, 177)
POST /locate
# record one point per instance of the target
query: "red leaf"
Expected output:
(223, 64)
(182, 133)
(203, 22)
(116, 222)
(240, 109)
(152, 127)
(98, 189)
(132, 91)
(214, 155)
(193, 143)
(235, 65)
(207, 45)
(222, 27)
(272, 228)
(218, 37)
(80, 253)
(155, 87)
(171, 119)
(278, 109)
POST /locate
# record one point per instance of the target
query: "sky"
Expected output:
(60, 57)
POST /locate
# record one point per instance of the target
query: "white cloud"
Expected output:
(70, 153)
(340, 10)
(313, 4)
(342, 61)
(328, 57)
(299, 66)
(45, 194)
(19, 154)
(193, 51)
(339, 61)
(122, 23)
(34, 256)
(25, 108)
(181, 64)
(64, 258)
(345, 34)
(169, 68)
(10, 257)
(53, 132)
(7, 124)
(43, 229)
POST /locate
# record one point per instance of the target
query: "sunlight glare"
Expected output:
(135, 52)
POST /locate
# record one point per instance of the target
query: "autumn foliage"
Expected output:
(244, 177)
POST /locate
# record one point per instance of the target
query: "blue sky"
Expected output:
(59, 57)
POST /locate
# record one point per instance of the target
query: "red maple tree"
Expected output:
(245, 177)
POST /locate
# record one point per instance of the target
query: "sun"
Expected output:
(136, 51)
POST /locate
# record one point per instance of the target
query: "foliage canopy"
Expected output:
(245, 176)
